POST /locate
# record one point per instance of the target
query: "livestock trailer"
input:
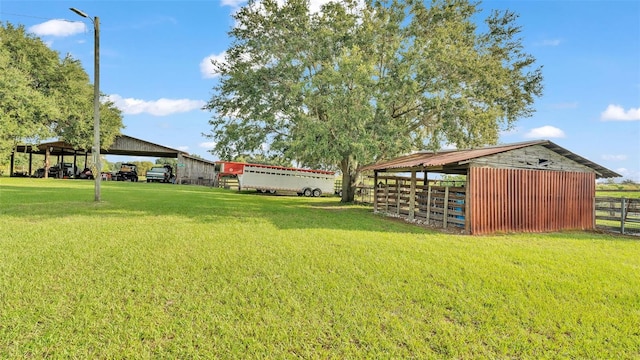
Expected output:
(268, 178)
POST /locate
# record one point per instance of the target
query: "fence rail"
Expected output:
(618, 215)
(442, 206)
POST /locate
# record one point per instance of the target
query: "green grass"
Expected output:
(629, 191)
(165, 271)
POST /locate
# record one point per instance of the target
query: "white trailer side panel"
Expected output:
(265, 178)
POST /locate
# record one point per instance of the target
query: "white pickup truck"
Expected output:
(160, 173)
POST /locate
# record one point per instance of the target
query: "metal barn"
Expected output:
(534, 186)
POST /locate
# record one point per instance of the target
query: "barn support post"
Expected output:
(30, 161)
(446, 207)
(397, 197)
(47, 154)
(412, 196)
(375, 191)
(13, 157)
(428, 203)
(61, 168)
(179, 172)
(75, 159)
(467, 207)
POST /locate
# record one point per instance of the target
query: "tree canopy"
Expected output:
(43, 96)
(359, 82)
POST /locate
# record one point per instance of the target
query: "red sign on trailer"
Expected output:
(230, 168)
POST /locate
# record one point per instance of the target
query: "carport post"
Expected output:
(12, 160)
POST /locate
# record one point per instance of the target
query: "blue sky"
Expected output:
(155, 54)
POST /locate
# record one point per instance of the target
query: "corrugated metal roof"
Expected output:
(425, 160)
(146, 148)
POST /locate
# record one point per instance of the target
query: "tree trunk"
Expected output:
(349, 177)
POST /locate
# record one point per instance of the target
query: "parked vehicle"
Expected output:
(160, 173)
(86, 174)
(128, 172)
(267, 178)
(57, 171)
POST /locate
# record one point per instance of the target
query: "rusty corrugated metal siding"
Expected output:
(514, 200)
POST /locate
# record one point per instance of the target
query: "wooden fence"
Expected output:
(437, 205)
(618, 215)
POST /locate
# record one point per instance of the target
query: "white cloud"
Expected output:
(58, 28)
(207, 69)
(208, 145)
(315, 5)
(620, 157)
(233, 3)
(623, 171)
(629, 174)
(545, 132)
(160, 107)
(618, 113)
(183, 148)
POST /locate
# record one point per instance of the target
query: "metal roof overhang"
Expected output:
(63, 148)
(457, 161)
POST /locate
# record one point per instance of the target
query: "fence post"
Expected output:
(622, 214)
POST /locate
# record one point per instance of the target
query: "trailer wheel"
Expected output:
(272, 191)
(307, 192)
(317, 192)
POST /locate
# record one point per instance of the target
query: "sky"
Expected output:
(155, 65)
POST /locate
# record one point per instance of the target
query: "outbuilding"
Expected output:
(191, 169)
(534, 186)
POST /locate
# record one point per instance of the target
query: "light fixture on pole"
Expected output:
(96, 100)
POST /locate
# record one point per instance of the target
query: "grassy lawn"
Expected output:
(166, 271)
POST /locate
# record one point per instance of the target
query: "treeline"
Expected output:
(44, 96)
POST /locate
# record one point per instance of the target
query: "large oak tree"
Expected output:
(359, 82)
(44, 96)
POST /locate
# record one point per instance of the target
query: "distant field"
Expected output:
(186, 272)
(629, 191)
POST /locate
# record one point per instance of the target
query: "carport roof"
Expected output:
(122, 145)
(454, 161)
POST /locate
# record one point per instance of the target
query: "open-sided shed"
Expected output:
(191, 169)
(533, 186)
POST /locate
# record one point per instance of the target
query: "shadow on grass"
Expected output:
(40, 199)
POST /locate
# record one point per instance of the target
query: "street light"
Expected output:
(96, 100)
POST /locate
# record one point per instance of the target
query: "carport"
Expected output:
(190, 169)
